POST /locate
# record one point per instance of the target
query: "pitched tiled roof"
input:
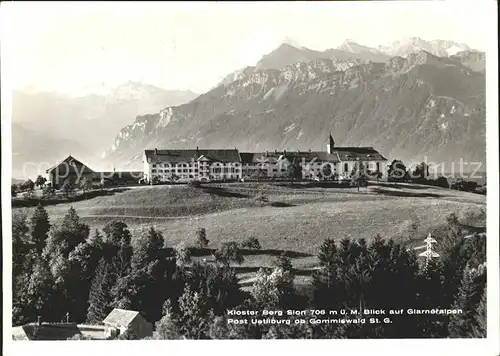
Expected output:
(120, 317)
(70, 162)
(50, 331)
(363, 153)
(176, 156)
(338, 154)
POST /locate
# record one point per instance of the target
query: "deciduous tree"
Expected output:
(201, 238)
(40, 181)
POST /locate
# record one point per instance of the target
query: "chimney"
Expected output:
(156, 151)
(275, 151)
(267, 153)
(284, 152)
(39, 320)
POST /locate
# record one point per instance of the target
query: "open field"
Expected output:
(295, 218)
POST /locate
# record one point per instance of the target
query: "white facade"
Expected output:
(336, 163)
(201, 169)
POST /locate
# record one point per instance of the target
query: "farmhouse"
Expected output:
(75, 171)
(120, 320)
(69, 168)
(219, 164)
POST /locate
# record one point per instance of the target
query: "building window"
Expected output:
(346, 167)
(378, 166)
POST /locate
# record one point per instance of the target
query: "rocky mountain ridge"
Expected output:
(408, 108)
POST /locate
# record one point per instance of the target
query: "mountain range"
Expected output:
(47, 126)
(412, 107)
(410, 99)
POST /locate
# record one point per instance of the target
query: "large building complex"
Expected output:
(164, 165)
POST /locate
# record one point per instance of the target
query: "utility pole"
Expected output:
(429, 252)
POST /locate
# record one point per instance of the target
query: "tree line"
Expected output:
(398, 172)
(65, 268)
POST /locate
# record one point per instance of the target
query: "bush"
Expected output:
(464, 185)
(481, 190)
(48, 191)
(201, 238)
(229, 252)
(29, 184)
(194, 184)
(261, 198)
(472, 215)
(251, 243)
(28, 194)
(441, 182)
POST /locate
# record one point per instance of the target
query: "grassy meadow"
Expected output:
(295, 219)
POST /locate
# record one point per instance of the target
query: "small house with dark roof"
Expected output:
(46, 331)
(120, 321)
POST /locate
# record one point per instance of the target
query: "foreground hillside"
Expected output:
(296, 219)
(408, 108)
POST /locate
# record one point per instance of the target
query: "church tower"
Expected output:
(331, 144)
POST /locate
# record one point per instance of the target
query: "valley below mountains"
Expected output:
(47, 127)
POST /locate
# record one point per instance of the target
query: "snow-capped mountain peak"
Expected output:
(407, 45)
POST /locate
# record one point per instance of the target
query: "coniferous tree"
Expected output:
(479, 330)
(325, 280)
(190, 321)
(294, 169)
(430, 296)
(467, 300)
(39, 227)
(358, 175)
(100, 294)
(20, 247)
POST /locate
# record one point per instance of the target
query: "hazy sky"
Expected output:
(78, 48)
